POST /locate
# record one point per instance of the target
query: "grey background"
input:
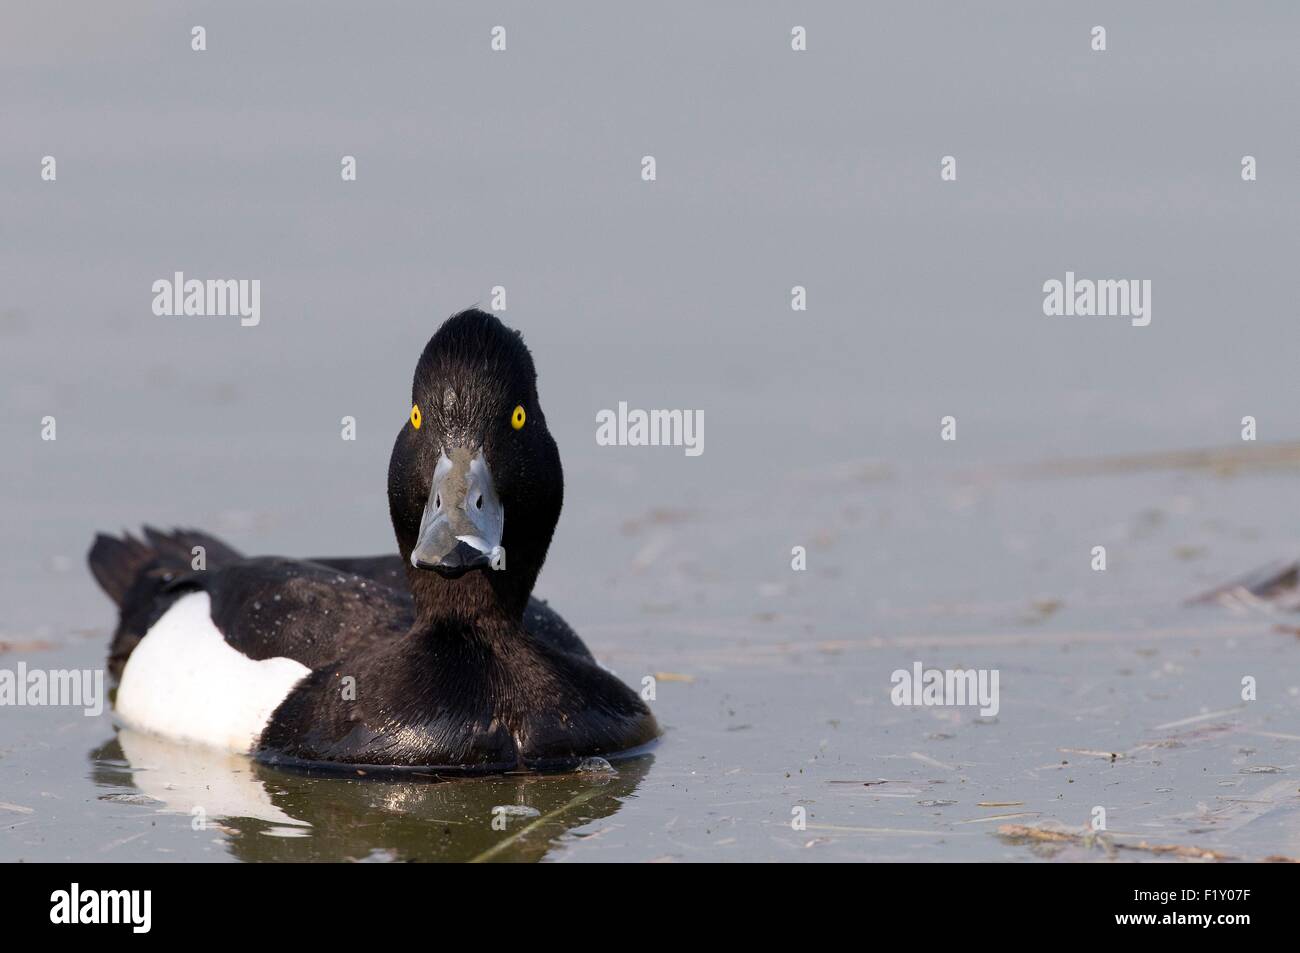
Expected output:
(774, 169)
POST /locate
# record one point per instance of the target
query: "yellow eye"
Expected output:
(415, 416)
(517, 418)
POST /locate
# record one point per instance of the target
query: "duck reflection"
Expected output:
(268, 814)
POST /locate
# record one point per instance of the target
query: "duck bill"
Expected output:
(463, 518)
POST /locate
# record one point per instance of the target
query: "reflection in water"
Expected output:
(270, 814)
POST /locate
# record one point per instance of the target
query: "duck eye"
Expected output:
(517, 418)
(415, 416)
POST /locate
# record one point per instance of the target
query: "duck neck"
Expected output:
(479, 596)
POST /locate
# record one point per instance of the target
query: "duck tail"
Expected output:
(118, 564)
(143, 577)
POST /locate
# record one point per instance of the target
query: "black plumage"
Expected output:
(411, 668)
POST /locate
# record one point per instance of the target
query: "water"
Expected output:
(773, 686)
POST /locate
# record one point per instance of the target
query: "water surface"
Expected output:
(822, 427)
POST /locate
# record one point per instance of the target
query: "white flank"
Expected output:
(186, 682)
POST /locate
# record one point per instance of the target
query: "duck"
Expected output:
(436, 659)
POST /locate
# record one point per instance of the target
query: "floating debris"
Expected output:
(1270, 588)
(516, 810)
(1217, 460)
(32, 645)
(112, 845)
(130, 798)
(1019, 833)
(1092, 753)
(868, 784)
(999, 817)
(1041, 609)
(673, 677)
(1202, 717)
(926, 759)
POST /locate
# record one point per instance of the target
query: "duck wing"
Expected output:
(265, 607)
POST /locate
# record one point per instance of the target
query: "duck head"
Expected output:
(474, 483)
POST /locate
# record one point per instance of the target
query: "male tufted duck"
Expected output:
(438, 658)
